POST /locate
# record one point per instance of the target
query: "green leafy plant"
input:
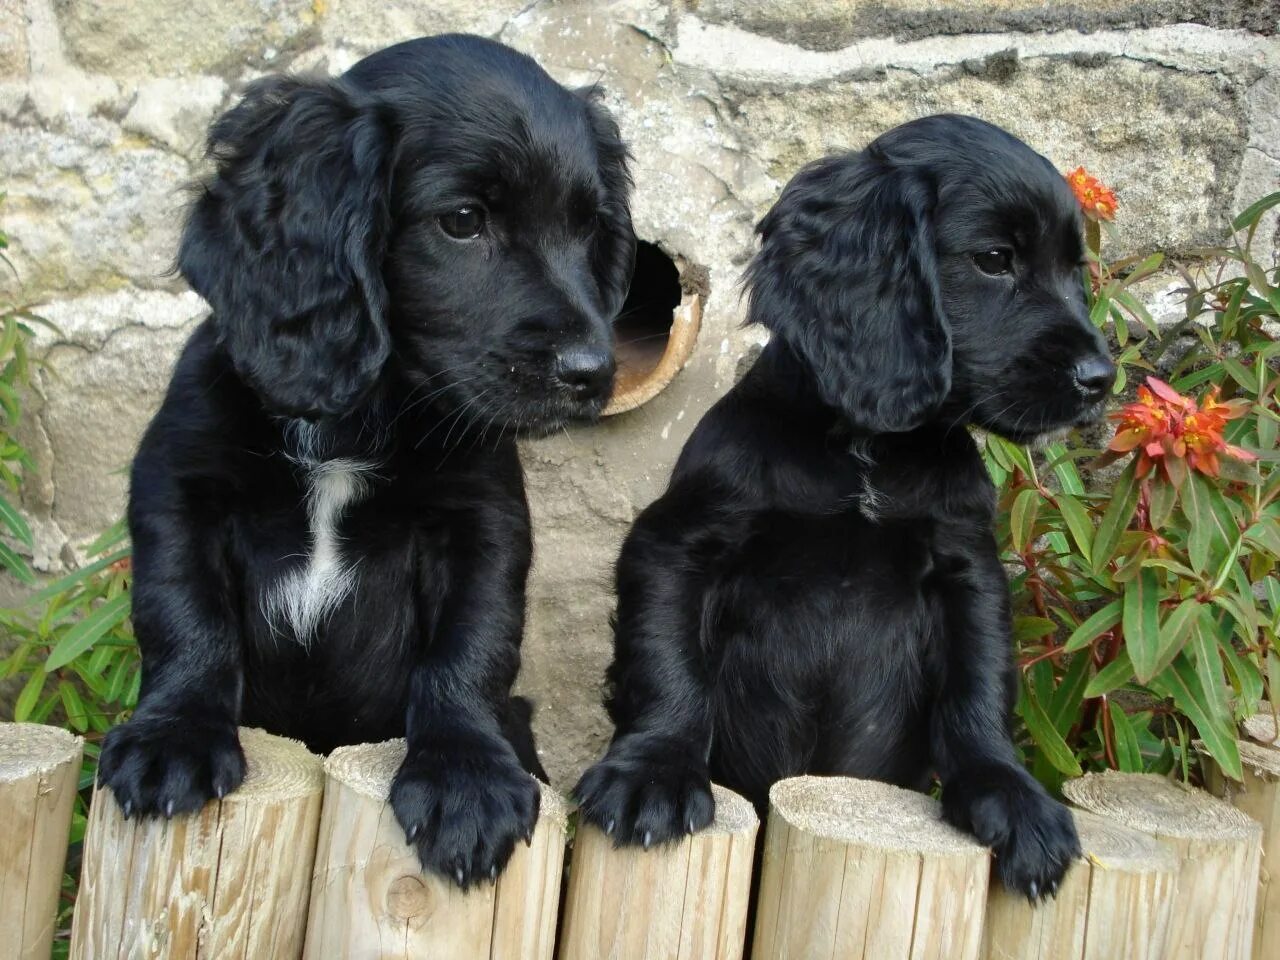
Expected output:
(70, 644)
(1146, 610)
(15, 374)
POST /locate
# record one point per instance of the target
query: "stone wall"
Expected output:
(103, 104)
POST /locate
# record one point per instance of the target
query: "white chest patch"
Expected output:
(304, 597)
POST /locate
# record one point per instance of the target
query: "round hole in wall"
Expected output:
(657, 327)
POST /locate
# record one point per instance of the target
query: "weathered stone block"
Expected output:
(14, 55)
(1169, 142)
(368, 25)
(105, 376)
(89, 206)
(140, 37)
(831, 24)
(176, 112)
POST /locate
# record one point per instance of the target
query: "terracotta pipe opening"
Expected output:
(657, 326)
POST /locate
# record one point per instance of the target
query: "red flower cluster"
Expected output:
(1168, 429)
(1096, 198)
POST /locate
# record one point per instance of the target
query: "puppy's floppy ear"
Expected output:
(286, 243)
(847, 275)
(615, 248)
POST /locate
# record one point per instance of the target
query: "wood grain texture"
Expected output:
(1113, 903)
(1258, 796)
(858, 870)
(371, 899)
(228, 883)
(682, 901)
(39, 773)
(1218, 849)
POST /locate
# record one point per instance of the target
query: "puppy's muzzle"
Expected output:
(1094, 377)
(585, 372)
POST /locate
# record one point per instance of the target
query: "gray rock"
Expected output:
(831, 24)
(176, 112)
(89, 208)
(128, 38)
(15, 57)
(105, 373)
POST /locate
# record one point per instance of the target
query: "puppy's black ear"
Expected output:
(615, 246)
(286, 243)
(847, 275)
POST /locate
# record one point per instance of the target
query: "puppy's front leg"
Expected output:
(461, 795)
(180, 748)
(653, 784)
(985, 789)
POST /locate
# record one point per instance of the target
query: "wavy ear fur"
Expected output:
(847, 275)
(615, 253)
(286, 243)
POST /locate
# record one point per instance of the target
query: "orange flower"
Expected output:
(1097, 200)
(1168, 429)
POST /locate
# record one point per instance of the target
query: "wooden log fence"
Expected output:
(1258, 796)
(39, 774)
(1218, 848)
(683, 901)
(371, 899)
(306, 860)
(866, 871)
(228, 882)
(1113, 903)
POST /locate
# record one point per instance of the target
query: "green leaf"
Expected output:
(1078, 522)
(1022, 517)
(1141, 617)
(1209, 517)
(1175, 630)
(1115, 674)
(77, 712)
(1066, 472)
(1026, 629)
(1064, 705)
(1180, 682)
(62, 584)
(1161, 503)
(12, 519)
(1254, 212)
(1265, 534)
(26, 702)
(83, 635)
(1124, 500)
(1101, 621)
(1047, 738)
(10, 560)
(1128, 753)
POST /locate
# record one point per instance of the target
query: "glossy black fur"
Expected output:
(819, 588)
(347, 324)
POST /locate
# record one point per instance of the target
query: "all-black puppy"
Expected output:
(407, 266)
(819, 589)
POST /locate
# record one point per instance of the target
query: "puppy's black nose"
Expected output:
(1094, 377)
(586, 371)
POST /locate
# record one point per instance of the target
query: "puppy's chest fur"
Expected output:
(303, 597)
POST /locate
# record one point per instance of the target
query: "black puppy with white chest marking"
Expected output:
(819, 589)
(407, 265)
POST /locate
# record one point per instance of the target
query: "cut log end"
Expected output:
(1163, 808)
(370, 768)
(1111, 846)
(276, 768)
(869, 814)
(1262, 728)
(32, 748)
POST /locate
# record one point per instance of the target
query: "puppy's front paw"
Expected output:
(1032, 835)
(170, 765)
(464, 807)
(645, 792)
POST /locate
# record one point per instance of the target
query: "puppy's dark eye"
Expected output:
(465, 223)
(994, 263)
